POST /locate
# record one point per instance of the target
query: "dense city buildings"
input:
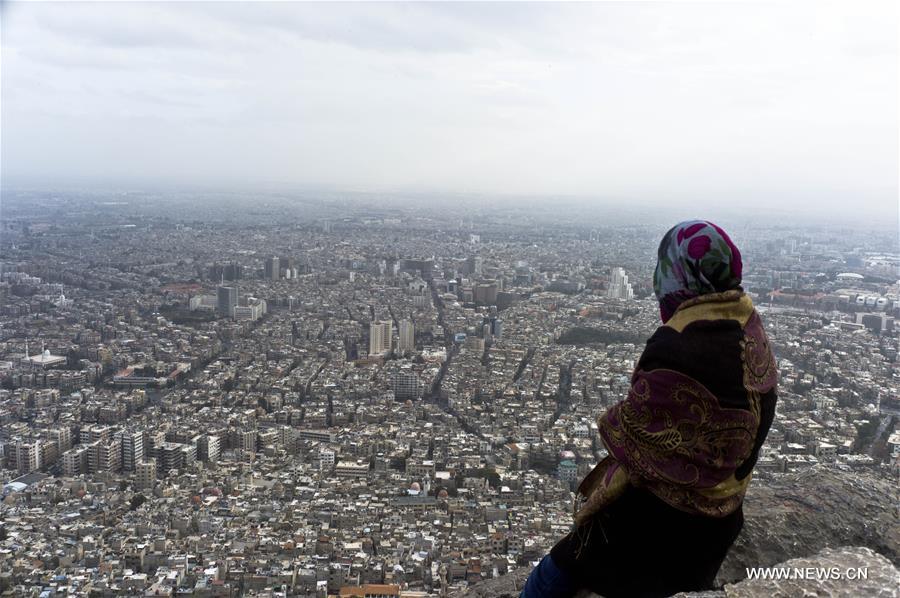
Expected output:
(348, 397)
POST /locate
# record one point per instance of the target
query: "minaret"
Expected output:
(27, 356)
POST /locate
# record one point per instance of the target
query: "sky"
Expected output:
(755, 104)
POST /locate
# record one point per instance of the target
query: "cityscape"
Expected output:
(221, 395)
(414, 299)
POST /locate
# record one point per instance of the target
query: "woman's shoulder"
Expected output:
(707, 350)
(702, 335)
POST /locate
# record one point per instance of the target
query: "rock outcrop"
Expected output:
(826, 574)
(821, 517)
(798, 515)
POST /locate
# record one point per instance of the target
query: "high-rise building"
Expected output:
(209, 448)
(380, 334)
(49, 452)
(486, 293)
(406, 385)
(474, 265)
(407, 336)
(170, 456)
(567, 471)
(28, 456)
(226, 300)
(230, 271)
(153, 441)
(233, 272)
(132, 449)
(619, 287)
(63, 437)
(105, 455)
(188, 454)
(95, 433)
(145, 475)
(286, 265)
(253, 310)
(273, 268)
(248, 439)
(75, 461)
(111, 455)
(326, 458)
(876, 322)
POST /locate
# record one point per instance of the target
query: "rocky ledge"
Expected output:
(824, 574)
(798, 515)
(821, 517)
(849, 571)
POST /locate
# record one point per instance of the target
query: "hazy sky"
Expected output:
(762, 104)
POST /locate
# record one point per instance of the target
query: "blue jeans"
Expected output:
(548, 581)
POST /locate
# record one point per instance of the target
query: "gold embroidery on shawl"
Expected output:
(730, 305)
(599, 489)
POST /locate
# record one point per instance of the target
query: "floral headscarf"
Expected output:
(695, 257)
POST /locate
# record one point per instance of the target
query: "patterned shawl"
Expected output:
(695, 257)
(671, 435)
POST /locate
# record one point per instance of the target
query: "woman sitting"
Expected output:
(659, 513)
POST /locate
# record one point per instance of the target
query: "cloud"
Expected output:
(769, 103)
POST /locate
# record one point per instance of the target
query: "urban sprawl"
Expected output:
(272, 396)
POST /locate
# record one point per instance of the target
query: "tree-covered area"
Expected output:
(581, 335)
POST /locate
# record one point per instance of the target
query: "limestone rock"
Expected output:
(882, 578)
(798, 515)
